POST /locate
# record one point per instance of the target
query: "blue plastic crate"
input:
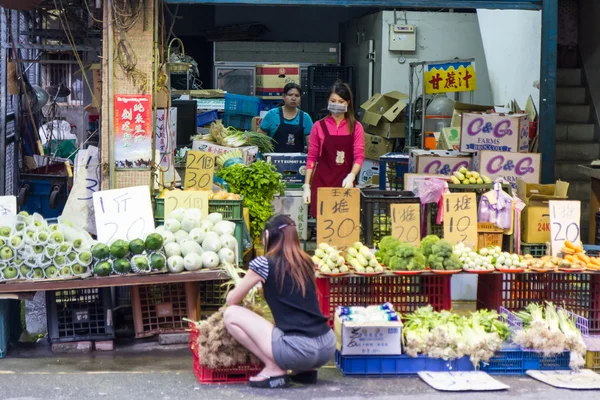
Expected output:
(267, 105)
(392, 167)
(397, 365)
(240, 122)
(207, 117)
(241, 105)
(514, 361)
(537, 361)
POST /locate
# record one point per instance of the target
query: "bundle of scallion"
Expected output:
(239, 139)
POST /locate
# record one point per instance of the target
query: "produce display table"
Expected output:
(109, 281)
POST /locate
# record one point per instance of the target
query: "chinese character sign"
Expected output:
(450, 77)
(133, 131)
(460, 218)
(564, 223)
(338, 222)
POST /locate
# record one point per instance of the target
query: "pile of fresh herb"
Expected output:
(259, 183)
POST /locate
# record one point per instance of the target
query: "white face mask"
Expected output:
(337, 108)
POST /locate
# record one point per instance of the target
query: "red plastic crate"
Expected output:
(406, 293)
(579, 293)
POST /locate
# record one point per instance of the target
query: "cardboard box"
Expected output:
(271, 79)
(248, 152)
(256, 121)
(443, 162)
(368, 338)
(292, 204)
(384, 115)
(509, 166)
(460, 108)
(497, 132)
(535, 217)
(376, 146)
(369, 173)
(449, 139)
(292, 166)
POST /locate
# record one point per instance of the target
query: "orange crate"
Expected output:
(488, 234)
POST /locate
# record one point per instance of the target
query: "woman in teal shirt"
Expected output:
(287, 124)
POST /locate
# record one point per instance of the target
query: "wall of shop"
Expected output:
(440, 36)
(589, 47)
(512, 43)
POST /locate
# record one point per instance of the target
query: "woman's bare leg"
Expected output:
(254, 333)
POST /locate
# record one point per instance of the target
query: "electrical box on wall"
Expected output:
(403, 38)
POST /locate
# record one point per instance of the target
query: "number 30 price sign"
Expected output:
(123, 214)
(564, 223)
(199, 170)
(338, 217)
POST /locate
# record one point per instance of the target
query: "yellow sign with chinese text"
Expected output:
(450, 77)
(460, 219)
(338, 217)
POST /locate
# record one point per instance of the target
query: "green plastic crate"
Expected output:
(535, 249)
(232, 210)
(10, 322)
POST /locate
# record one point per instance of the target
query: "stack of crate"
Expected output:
(239, 111)
(320, 80)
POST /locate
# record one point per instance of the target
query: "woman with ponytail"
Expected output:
(301, 340)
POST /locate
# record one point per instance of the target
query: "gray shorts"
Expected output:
(301, 353)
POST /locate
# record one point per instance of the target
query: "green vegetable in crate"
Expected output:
(102, 268)
(139, 263)
(157, 261)
(100, 251)
(427, 243)
(137, 246)
(119, 249)
(407, 258)
(154, 241)
(122, 266)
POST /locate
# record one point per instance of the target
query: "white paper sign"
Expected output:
(79, 209)
(123, 214)
(565, 216)
(8, 206)
(461, 381)
(582, 380)
(293, 205)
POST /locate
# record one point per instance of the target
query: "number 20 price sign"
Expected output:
(564, 223)
(338, 217)
(460, 218)
(123, 214)
(406, 222)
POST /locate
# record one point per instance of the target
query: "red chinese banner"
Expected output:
(133, 130)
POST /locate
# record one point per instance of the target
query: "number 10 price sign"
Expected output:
(460, 218)
(338, 217)
(564, 223)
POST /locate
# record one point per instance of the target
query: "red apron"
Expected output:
(335, 163)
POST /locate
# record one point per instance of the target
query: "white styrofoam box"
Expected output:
(292, 204)
(463, 287)
(368, 338)
(369, 169)
(509, 166)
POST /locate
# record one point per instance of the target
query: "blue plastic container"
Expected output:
(267, 105)
(240, 122)
(397, 365)
(9, 324)
(392, 167)
(207, 117)
(241, 105)
(514, 361)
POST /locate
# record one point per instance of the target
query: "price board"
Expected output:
(565, 216)
(186, 199)
(8, 206)
(460, 218)
(123, 214)
(338, 220)
(406, 222)
(199, 170)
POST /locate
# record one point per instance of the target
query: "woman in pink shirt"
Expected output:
(336, 147)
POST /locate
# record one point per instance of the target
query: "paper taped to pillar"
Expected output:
(292, 204)
(166, 141)
(509, 166)
(450, 77)
(133, 131)
(496, 132)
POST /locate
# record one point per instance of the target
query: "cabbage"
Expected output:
(224, 227)
(226, 255)
(175, 264)
(167, 236)
(180, 235)
(210, 259)
(212, 243)
(198, 235)
(229, 241)
(160, 229)
(192, 262)
(206, 225)
(172, 249)
(193, 213)
(187, 224)
(173, 225)
(214, 217)
(191, 247)
(176, 214)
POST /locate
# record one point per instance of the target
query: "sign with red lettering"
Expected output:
(133, 131)
(510, 166)
(496, 132)
(450, 77)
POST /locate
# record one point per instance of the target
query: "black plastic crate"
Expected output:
(324, 76)
(212, 294)
(79, 314)
(392, 167)
(318, 100)
(376, 219)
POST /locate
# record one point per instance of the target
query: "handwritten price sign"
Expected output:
(199, 170)
(406, 222)
(460, 218)
(338, 223)
(564, 223)
(8, 206)
(123, 214)
(186, 199)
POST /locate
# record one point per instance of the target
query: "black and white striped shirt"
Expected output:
(260, 265)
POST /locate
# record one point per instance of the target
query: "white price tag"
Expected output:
(565, 216)
(8, 206)
(123, 214)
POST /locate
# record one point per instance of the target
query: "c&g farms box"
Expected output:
(368, 338)
(441, 162)
(497, 132)
(509, 166)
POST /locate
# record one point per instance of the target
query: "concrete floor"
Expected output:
(148, 371)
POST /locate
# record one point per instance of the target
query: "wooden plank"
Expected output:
(111, 281)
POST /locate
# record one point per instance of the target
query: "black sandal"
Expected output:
(307, 377)
(274, 382)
